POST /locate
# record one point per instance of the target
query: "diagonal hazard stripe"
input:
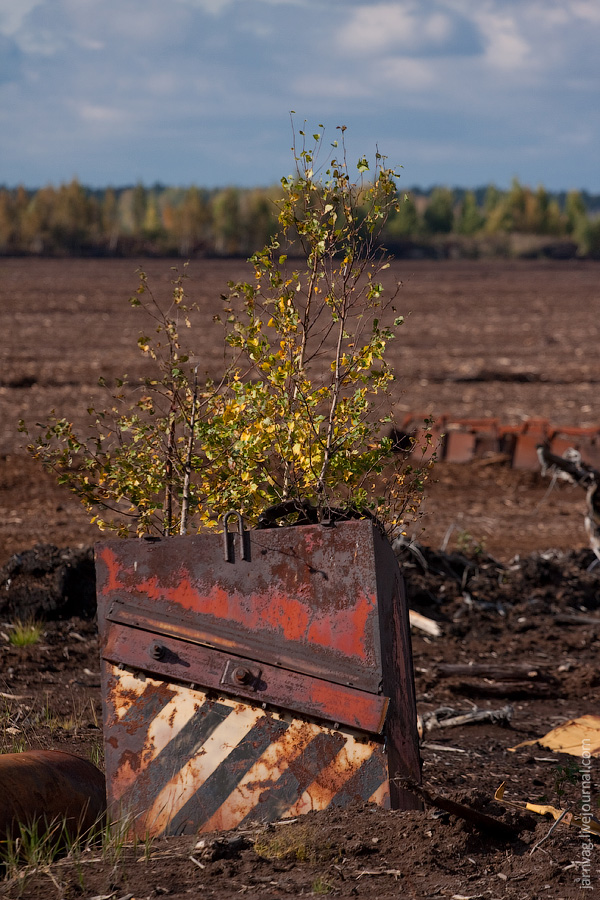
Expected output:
(365, 782)
(171, 719)
(381, 797)
(214, 764)
(182, 746)
(275, 760)
(227, 773)
(142, 700)
(294, 781)
(135, 694)
(331, 778)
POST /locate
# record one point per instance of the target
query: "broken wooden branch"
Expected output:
(447, 717)
(503, 689)
(568, 618)
(429, 626)
(494, 671)
(549, 832)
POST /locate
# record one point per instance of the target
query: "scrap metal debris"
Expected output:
(50, 786)
(474, 817)
(487, 439)
(572, 468)
(495, 671)
(589, 824)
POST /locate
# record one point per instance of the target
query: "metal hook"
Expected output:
(229, 537)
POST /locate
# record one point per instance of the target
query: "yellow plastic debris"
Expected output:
(578, 737)
(586, 823)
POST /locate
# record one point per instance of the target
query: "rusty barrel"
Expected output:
(254, 677)
(50, 787)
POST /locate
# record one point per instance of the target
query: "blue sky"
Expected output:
(458, 92)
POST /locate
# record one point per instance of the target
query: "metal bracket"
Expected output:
(229, 538)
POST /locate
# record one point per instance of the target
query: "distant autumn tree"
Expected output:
(439, 215)
(405, 221)
(470, 218)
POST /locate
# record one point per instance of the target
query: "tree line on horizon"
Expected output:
(72, 220)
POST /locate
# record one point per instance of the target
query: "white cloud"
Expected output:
(91, 112)
(14, 12)
(404, 26)
(213, 7)
(588, 10)
(329, 86)
(41, 41)
(506, 47)
(87, 43)
(405, 75)
(147, 83)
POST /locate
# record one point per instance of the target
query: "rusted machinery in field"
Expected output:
(49, 789)
(254, 675)
(458, 440)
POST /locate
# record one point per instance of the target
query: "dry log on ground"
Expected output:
(495, 671)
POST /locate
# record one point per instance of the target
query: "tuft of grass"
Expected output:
(466, 543)
(298, 842)
(39, 847)
(96, 754)
(33, 847)
(115, 836)
(25, 633)
(564, 775)
(12, 739)
(72, 721)
(321, 886)
(14, 745)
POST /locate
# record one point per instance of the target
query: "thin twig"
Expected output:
(168, 519)
(550, 830)
(185, 498)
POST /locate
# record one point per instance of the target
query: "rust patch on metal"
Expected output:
(243, 687)
(49, 786)
(309, 603)
(269, 684)
(231, 761)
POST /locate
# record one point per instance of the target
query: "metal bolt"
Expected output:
(157, 651)
(242, 675)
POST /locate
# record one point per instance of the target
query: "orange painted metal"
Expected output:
(50, 787)
(535, 432)
(182, 661)
(460, 446)
(465, 439)
(306, 600)
(242, 686)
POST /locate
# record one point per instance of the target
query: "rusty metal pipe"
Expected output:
(50, 786)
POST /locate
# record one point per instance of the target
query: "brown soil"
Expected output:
(63, 323)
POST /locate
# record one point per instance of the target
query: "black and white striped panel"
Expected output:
(180, 761)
